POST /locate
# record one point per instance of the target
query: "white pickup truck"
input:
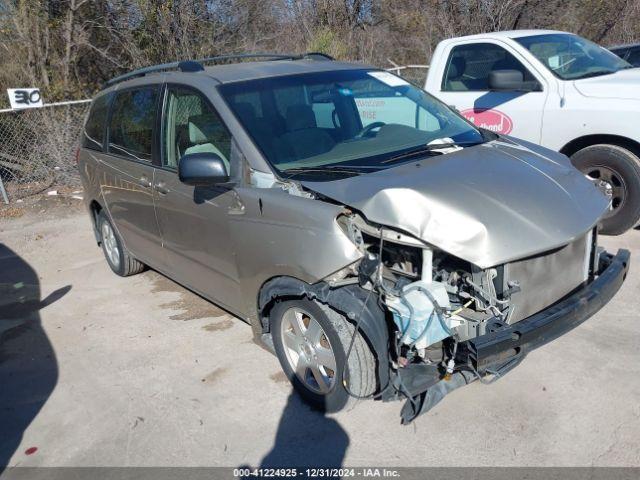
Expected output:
(555, 89)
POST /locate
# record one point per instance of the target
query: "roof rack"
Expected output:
(197, 65)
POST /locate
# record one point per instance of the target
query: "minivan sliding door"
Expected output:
(128, 192)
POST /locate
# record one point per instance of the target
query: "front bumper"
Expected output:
(498, 352)
(494, 350)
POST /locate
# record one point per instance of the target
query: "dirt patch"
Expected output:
(225, 324)
(65, 202)
(10, 211)
(279, 377)
(215, 375)
(193, 307)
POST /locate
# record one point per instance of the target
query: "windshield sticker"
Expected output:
(492, 120)
(388, 79)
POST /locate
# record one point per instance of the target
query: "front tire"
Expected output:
(311, 341)
(118, 257)
(620, 168)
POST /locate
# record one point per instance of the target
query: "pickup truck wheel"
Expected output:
(118, 258)
(619, 169)
(311, 341)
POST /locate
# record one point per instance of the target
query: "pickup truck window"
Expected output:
(634, 56)
(629, 54)
(571, 57)
(469, 66)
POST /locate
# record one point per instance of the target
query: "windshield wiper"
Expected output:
(326, 169)
(430, 148)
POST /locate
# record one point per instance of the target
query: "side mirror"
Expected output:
(506, 80)
(202, 169)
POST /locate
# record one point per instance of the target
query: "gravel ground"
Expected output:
(97, 370)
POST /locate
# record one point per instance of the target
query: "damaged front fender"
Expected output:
(357, 304)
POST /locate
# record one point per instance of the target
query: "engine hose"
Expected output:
(484, 293)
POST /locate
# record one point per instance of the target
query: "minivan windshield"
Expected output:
(571, 57)
(344, 122)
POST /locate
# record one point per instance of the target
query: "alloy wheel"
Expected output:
(308, 350)
(110, 245)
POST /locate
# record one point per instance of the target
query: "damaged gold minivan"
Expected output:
(380, 244)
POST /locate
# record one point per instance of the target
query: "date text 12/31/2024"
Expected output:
(362, 472)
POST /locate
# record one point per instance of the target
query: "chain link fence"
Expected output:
(37, 147)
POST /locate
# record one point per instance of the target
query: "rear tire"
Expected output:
(118, 257)
(335, 334)
(621, 169)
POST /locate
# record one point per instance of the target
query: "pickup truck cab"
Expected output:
(555, 89)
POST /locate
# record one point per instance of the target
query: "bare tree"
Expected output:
(70, 47)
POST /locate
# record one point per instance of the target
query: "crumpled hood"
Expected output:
(488, 204)
(624, 84)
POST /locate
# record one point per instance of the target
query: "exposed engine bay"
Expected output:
(437, 300)
(458, 301)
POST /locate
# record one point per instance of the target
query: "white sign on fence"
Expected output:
(24, 97)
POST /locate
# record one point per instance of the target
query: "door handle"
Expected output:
(161, 188)
(144, 181)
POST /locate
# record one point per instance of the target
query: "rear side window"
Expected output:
(469, 66)
(95, 127)
(132, 123)
(630, 54)
(634, 57)
(623, 53)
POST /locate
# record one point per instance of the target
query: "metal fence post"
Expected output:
(4, 192)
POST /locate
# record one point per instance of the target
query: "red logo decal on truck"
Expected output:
(493, 120)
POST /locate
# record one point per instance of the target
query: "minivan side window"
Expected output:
(469, 66)
(95, 127)
(133, 117)
(192, 126)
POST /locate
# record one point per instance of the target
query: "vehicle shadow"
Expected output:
(28, 367)
(306, 438)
